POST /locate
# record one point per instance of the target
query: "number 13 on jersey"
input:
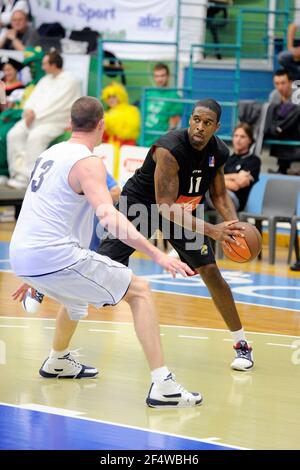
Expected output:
(37, 183)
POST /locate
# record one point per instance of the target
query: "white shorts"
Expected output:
(94, 279)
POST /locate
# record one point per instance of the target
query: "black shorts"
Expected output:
(193, 249)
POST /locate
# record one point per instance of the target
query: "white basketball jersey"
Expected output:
(55, 223)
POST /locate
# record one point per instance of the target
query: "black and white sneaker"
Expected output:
(32, 300)
(66, 367)
(170, 394)
(244, 357)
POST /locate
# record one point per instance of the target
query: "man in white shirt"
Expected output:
(45, 117)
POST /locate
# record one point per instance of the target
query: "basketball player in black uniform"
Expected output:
(177, 172)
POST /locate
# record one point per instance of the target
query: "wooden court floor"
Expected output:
(256, 410)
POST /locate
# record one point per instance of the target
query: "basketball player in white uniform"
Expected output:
(49, 251)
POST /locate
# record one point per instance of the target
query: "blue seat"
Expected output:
(294, 242)
(256, 195)
(278, 204)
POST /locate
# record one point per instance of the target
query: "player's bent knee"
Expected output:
(211, 273)
(139, 283)
(208, 270)
(212, 276)
(139, 287)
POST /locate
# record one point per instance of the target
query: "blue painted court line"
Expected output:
(250, 288)
(258, 289)
(23, 429)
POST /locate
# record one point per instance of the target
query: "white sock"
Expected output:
(158, 375)
(56, 354)
(238, 335)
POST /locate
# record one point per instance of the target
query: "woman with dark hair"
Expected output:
(242, 168)
(10, 68)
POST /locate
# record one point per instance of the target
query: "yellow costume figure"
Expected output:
(122, 120)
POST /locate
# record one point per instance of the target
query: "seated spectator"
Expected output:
(242, 169)
(10, 116)
(10, 68)
(45, 117)
(122, 120)
(161, 115)
(283, 88)
(217, 17)
(20, 35)
(8, 7)
(283, 121)
(290, 59)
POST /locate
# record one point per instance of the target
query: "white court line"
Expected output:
(4, 261)
(293, 346)
(231, 340)
(51, 410)
(161, 325)
(209, 440)
(105, 331)
(14, 326)
(193, 337)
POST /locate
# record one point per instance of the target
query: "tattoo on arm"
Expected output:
(166, 177)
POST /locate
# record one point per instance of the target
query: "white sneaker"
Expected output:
(3, 179)
(66, 367)
(32, 300)
(170, 394)
(17, 184)
(244, 357)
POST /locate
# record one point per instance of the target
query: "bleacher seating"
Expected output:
(277, 204)
(12, 197)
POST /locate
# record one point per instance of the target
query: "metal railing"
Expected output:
(187, 104)
(269, 25)
(292, 143)
(137, 78)
(226, 47)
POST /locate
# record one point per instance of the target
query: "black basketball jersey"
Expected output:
(197, 168)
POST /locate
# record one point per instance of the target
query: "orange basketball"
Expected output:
(249, 248)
